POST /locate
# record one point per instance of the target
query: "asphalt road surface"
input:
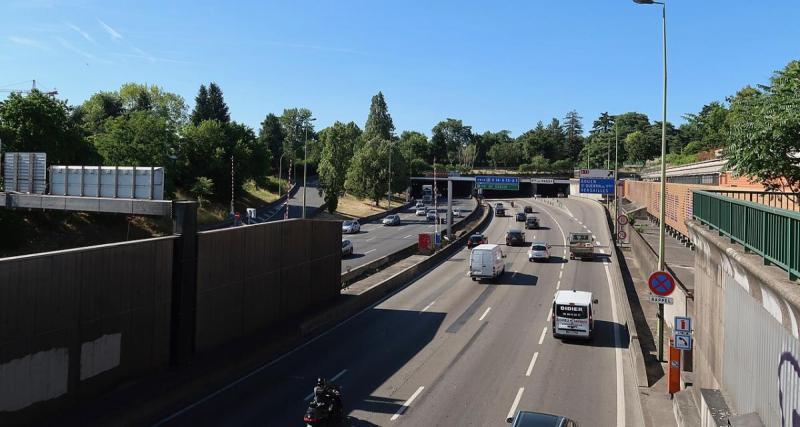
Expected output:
(376, 240)
(447, 351)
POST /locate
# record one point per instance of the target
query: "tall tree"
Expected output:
(449, 140)
(379, 122)
(414, 145)
(765, 132)
(338, 143)
(218, 109)
(708, 129)
(603, 124)
(296, 123)
(368, 173)
(573, 134)
(202, 110)
(38, 122)
(556, 138)
(168, 105)
(272, 136)
(637, 147)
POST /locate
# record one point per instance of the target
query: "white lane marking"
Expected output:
(485, 313)
(428, 306)
(407, 403)
(515, 273)
(580, 222)
(408, 236)
(558, 284)
(541, 338)
(371, 238)
(533, 362)
(550, 314)
(516, 402)
(560, 273)
(617, 353)
(371, 250)
(334, 378)
(562, 265)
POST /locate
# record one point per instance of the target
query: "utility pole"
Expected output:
(232, 185)
(389, 194)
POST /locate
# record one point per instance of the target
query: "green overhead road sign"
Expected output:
(497, 183)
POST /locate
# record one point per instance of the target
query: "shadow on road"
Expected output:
(513, 278)
(603, 336)
(353, 256)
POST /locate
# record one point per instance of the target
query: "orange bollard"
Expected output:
(674, 385)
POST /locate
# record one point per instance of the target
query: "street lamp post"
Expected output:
(280, 171)
(389, 194)
(305, 164)
(663, 195)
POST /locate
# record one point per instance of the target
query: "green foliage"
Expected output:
(98, 108)
(414, 145)
(139, 138)
(449, 142)
(368, 175)
(599, 148)
(296, 124)
(573, 134)
(203, 189)
(706, 130)
(637, 147)
(419, 166)
(488, 140)
(765, 132)
(338, 143)
(202, 110)
(272, 135)
(537, 164)
(141, 97)
(210, 105)
(676, 159)
(603, 124)
(563, 165)
(379, 122)
(541, 142)
(39, 123)
(505, 154)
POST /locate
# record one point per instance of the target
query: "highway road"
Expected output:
(376, 240)
(448, 351)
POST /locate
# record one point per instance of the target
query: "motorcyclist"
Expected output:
(321, 391)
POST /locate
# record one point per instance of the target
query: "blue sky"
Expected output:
(495, 65)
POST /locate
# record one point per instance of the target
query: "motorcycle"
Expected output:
(512, 203)
(328, 412)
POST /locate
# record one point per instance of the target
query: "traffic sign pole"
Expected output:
(661, 283)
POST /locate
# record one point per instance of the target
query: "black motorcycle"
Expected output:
(327, 412)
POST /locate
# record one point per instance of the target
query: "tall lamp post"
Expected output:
(280, 171)
(305, 163)
(662, 196)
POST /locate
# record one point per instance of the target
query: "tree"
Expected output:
(98, 108)
(599, 148)
(573, 134)
(765, 132)
(170, 106)
(296, 123)
(252, 157)
(204, 150)
(202, 110)
(449, 140)
(379, 122)
(505, 154)
(203, 189)
(603, 124)
(218, 110)
(706, 130)
(556, 139)
(414, 145)
(338, 143)
(368, 175)
(486, 141)
(539, 142)
(637, 147)
(139, 138)
(40, 123)
(272, 135)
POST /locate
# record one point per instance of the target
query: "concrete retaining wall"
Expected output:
(255, 276)
(746, 324)
(78, 322)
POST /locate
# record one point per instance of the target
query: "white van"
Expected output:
(486, 262)
(572, 314)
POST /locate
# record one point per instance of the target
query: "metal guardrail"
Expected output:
(770, 232)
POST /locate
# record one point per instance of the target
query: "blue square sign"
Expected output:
(596, 185)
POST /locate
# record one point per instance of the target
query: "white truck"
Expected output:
(486, 262)
(572, 314)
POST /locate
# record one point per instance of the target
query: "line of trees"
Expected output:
(144, 125)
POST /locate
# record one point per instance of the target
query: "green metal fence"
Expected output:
(770, 232)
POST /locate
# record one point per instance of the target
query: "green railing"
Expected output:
(770, 232)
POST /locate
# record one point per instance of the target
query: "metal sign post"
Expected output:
(662, 284)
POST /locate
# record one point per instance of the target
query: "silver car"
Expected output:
(351, 226)
(421, 211)
(347, 248)
(391, 220)
(431, 215)
(539, 251)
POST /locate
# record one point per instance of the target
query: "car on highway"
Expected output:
(432, 215)
(347, 248)
(421, 210)
(515, 237)
(475, 240)
(420, 204)
(539, 251)
(531, 221)
(520, 216)
(456, 213)
(561, 195)
(501, 211)
(572, 314)
(351, 226)
(498, 205)
(528, 209)
(393, 219)
(539, 419)
(537, 196)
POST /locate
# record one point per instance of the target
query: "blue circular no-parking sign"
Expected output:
(661, 283)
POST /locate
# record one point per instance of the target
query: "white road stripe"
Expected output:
(428, 306)
(560, 273)
(533, 362)
(485, 313)
(541, 338)
(407, 403)
(549, 314)
(371, 250)
(617, 354)
(516, 402)
(558, 284)
(408, 236)
(371, 238)
(334, 378)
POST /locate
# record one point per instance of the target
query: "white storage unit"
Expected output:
(25, 172)
(118, 182)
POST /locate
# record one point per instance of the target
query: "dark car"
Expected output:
(520, 216)
(515, 238)
(528, 209)
(538, 419)
(475, 240)
(500, 211)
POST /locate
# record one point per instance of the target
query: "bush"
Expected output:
(203, 189)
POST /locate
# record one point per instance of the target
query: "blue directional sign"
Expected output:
(596, 185)
(497, 182)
